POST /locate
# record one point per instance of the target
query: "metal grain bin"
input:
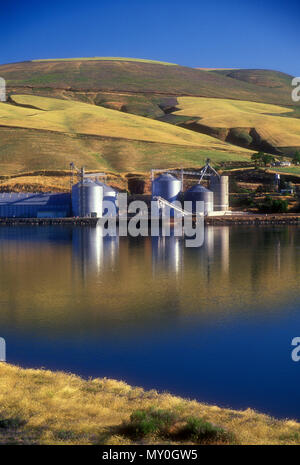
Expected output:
(87, 197)
(109, 195)
(220, 187)
(166, 186)
(199, 193)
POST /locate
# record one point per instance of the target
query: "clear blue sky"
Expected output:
(233, 33)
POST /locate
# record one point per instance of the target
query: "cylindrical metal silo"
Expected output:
(219, 185)
(87, 199)
(166, 186)
(199, 193)
(109, 195)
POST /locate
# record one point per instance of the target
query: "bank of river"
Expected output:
(45, 407)
(228, 219)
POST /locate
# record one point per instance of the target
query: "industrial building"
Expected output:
(86, 200)
(28, 205)
(92, 198)
(89, 198)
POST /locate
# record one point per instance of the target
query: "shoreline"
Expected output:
(222, 220)
(40, 406)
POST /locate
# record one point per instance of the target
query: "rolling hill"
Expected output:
(259, 77)
(115, 113)
(249, 124)
(47, 133)
(134, 76)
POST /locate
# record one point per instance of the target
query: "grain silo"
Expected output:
(109, 195)
(199, 193)
(219, 185)
(166, 186)
(87, 197)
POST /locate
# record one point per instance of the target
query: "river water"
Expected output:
(214, 323)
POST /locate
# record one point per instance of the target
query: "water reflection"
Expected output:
(167, 253)
(61, 276)
(93, 250)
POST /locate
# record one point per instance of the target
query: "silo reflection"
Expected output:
(167, 253)
(214, 256)
(94, 249)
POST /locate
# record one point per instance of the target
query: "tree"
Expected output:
(273, 205)
(257, 158)
(296, 158)
(267, 159)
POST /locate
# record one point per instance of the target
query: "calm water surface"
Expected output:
(213, 323)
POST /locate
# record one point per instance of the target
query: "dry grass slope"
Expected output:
(82, 118)
(138, 60)
(38, 133)
(43, 407)
(268, 120)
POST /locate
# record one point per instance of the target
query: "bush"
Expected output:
(199, 430)
(150, 421)
(11, 423)
(273, 205)
(167, 424)
(244, 202)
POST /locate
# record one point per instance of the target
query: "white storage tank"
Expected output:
(109, 195)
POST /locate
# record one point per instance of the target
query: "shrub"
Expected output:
(167, 424)
(11, 423)
(273, 205)
(150, 421)
(200, 430)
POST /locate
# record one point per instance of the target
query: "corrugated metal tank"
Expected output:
(87, 197)
(220, 187)
(33, 205)
(199, 193)
(109, 195)
(166, 186)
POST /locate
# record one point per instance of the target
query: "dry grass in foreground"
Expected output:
(44, 407)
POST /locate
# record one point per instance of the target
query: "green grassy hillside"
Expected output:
(260, 77)
(127, 75)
